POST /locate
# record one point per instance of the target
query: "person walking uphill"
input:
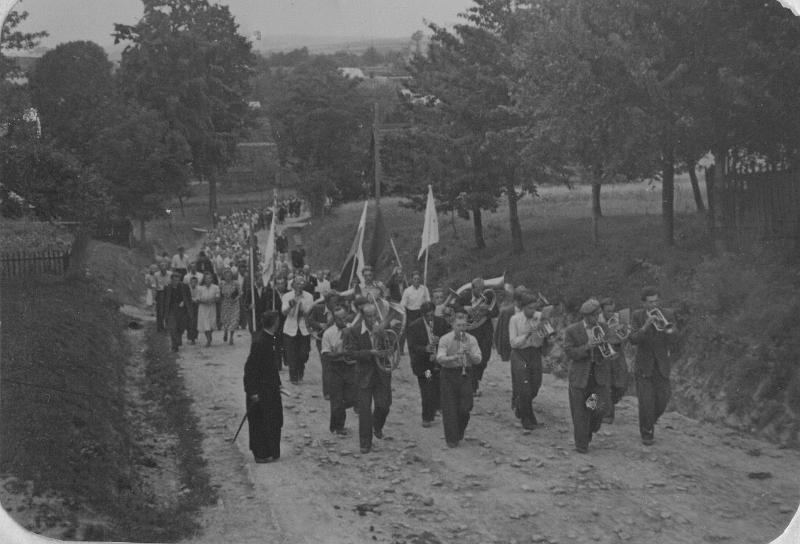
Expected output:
(262, 386)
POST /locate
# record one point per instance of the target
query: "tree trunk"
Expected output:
(719, 237)
(710, 197)
(597, 213)
(212, 198)
(668, 197)
(142, 231)
(477, 223)
(513, 218)
(79, 253)
(453, 222)
(698, 196)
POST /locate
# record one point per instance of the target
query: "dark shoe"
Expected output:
(452, 444)
(582, 449)
(261, 460)
(648, 440)
(529, 425)
(427, 424)
(365, 450)
(225, 337)
(378, 434)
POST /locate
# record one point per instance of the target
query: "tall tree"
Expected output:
(321, 126)
(72, 88)
(467, 72)
(187, 60)
(14, 97)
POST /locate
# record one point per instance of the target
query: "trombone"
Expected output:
(599, 336)
(660, 322)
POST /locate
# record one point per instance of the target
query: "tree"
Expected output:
(321, 126)
(187, 60)
(13, 97)
(145, 161)
(73, 90)
(467, 77)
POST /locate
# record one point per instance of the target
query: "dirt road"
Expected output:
(503, 484)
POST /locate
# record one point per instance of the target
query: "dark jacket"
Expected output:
(177, 301)
(502, 342)
(652, 347)
(485, 332)
(417, 336)
(582, 360)
(358, 347)
(261, 376)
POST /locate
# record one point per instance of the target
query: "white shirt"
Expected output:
(518, 328)
(332, 340)
(413, 297)
(449, 346)
(190, 275)
(295, 319)
(323, 286)
(178, 262)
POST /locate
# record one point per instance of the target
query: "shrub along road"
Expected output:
(699, 482)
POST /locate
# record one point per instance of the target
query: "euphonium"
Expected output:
(599, 336)
(660, 322)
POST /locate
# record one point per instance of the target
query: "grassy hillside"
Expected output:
(738, 363)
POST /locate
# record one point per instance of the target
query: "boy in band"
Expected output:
(589, 376)
(458, 353)
(474, 302)
(341, 372)
(295, 306)
(653, 361)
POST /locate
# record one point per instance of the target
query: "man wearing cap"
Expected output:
(589, 376)
(423, 339)
(653, 362)
(528, 345)
(177, 302)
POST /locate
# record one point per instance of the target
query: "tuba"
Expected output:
(599, 336)
(387, 343)
(488, 299)
(660, 322)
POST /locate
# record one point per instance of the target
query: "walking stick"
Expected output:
(247, 413)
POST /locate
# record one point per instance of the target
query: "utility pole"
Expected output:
(376, 148)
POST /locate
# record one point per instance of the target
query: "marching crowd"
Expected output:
(361, 332)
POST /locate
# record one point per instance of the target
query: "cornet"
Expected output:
(461, 352)
(622, 330)
(660, 322)
(599, 336)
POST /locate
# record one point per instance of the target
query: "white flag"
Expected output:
(430, 230)
(269, 252)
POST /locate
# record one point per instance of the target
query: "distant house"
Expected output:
(352, 73)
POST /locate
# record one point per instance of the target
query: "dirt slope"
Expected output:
(501, 485)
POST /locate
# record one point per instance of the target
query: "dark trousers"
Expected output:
(526, 379)
(297, 349)
(411, 316)
(326, 371)
(653, 392)
(430, 391)
(456, 399)
(161, 299)
(191, 326)
(264, 421)
(484, 334)
(378, 390)
(343, 392)
(586, 422)
(175, 333)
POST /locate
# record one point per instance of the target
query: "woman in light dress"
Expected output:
(207, 297)
(150, 284)
(229, 291)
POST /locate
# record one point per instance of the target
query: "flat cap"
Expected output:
(590, 306)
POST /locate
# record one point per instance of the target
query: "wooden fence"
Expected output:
(21, 264)
(759, 204)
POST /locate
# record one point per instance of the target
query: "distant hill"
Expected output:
(330, 44)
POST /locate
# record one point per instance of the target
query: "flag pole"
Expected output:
(252, 277)
(272, 227)
(425, 276)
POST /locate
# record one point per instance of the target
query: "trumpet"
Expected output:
(462, 353)
(622, 330)
(660, 322)
(599, 336)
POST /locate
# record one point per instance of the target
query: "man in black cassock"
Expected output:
(262, 385)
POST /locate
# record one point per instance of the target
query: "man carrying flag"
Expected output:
(354, 262)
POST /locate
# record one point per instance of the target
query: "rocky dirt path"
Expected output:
(503, 484)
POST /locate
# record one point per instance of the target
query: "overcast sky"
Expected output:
(68, 20)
